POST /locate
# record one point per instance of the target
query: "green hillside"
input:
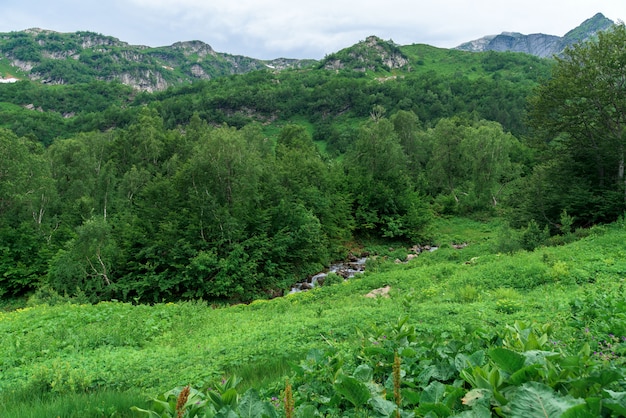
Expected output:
(455, 302)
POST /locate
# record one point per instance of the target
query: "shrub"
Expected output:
(533, 236)
(332, 279)
(467, 293)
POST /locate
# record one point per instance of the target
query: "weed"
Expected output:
(467, 294)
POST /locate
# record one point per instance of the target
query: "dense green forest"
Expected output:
(235, 188)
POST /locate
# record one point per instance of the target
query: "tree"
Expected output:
(87, 263)
(408, 127)
(580, 115)
(487, 153)
(386, 201)
(446, 168)
(25, 194)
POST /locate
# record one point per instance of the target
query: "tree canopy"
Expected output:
(579, 120)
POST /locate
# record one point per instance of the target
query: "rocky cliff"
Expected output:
(538, 44)
(372, 54)
(65, 58)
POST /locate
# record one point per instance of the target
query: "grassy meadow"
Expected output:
(67, 359)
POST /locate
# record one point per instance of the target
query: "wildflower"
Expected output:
(181, 401)
(396, 382)
(289, 403)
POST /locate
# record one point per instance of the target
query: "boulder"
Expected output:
(382, 292)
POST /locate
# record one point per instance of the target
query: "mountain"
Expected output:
(372, 54)
(68, 58)
(538, 44)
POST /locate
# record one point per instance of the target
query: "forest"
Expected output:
(226, 192)
(233, 189)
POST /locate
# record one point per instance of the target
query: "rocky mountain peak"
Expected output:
(195, 48)
(371, 54)
(538, 44)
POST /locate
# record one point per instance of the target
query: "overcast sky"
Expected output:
(269, 29)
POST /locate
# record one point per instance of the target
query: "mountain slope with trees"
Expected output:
(235, 188)
(81, 57)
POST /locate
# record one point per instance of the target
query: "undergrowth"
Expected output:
(54, 355)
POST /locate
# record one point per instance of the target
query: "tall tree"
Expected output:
(580, 115)
(386, 201)
(26, 191)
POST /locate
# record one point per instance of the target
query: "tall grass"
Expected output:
(92, 405)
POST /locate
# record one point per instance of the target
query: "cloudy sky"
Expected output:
(269, 29)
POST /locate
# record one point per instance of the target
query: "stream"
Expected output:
(346, 269)
(356, 265)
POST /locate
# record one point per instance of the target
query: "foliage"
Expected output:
(578, 117)
(115, 346)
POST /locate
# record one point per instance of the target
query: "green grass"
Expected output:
(444, 61)
(94, 405)
(61, 354)
(451, 62)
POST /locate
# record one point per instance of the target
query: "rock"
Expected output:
(343, 273)
(416, 249)
(383, 292)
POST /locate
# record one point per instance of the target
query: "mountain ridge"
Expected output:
(67, 58)
(538, 44)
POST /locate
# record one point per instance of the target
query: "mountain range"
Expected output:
(67, 58)
(538, 44)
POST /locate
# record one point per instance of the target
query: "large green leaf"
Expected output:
(307, 411)
(226, 412)
(507, 360)
(525, 374)
(383, 407)
(616, 402)
(439, 409)
(363, 373)
(251, 406)
(463, 361)
(477, 412)
(536, 400)
(433, 393)
(354, 391)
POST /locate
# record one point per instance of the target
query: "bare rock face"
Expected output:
(538, 44)
(148, 81)
(366, 55)
(198, 48)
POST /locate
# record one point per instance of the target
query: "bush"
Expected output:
(332, 279)
(533, 236)
(467, 294)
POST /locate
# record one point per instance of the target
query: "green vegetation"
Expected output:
(149, 241)
(457, 302)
